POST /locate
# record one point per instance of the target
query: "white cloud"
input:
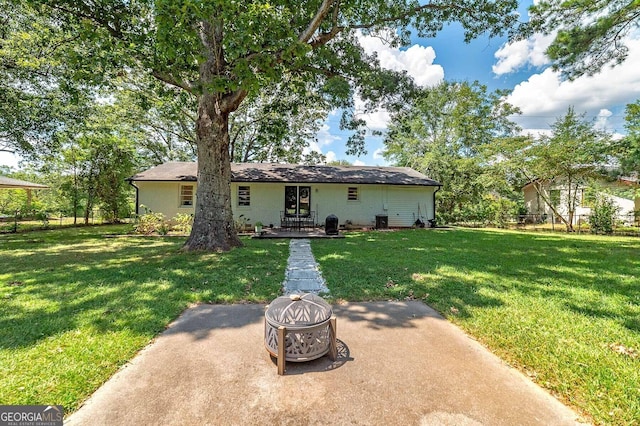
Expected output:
(602, 119)
(513, 56)
(536, 132)
(544, 97)
(376, 120)
(417, 60)
(359, 163)
(331, 156)
(325, 137)
(9, 159)
(377, 154)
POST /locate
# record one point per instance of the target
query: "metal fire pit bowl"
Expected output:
(298, 328)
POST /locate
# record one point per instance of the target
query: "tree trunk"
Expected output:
(213, 228)
(539, 189)
(89, 206)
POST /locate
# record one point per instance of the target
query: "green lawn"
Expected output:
(75, 306)
(565, 309)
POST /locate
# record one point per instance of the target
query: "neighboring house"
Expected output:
(265, 192)
(558, 195)
(10, 183)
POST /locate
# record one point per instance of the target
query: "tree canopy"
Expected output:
(223, 52)
(590, 34)
(443, 132)
(574, 153)
(629, 146)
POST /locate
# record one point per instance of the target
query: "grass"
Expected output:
(8, 225)
(565, 309)
(75, 306)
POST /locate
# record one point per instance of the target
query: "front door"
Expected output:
(297, 200)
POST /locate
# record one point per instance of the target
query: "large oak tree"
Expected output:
(223, 51)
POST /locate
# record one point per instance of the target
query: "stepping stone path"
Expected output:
(302, 274)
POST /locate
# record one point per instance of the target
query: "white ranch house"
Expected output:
(537, 207)
(265, 192)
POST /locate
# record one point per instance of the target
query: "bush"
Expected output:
(241, 223)
(183, 223)
(150, 222)
(603, 216)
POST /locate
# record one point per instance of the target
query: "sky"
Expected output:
(522, 68)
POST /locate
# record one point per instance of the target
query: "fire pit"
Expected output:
(299, 327)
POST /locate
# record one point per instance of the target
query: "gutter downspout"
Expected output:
(434, 205)
(138, 196)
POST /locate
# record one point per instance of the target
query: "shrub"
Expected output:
(183, 223)
(150, 222)
(241, 223)
(603, 215)
(163, 228)
(43, 216)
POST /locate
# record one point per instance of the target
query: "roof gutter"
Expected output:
(137, 195)
(434, 205)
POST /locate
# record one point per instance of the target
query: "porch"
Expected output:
(294, 233)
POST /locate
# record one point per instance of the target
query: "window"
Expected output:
(244, 195)
(186, 195)
(352, 193)
(588, 198)
(297, 200)
(554, 196)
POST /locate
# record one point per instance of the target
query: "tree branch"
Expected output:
(316, 21)
(169, 79)
(84, 11)
(231, 101)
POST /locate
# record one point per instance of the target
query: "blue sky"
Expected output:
(521, 67)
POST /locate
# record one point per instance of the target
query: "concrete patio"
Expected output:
(399, 363)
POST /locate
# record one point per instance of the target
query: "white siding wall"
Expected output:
(399, 203)
(535, 204)
(407, 204)
(163, 197)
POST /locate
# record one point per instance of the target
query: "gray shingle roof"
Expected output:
(293, 173)
(6, 182)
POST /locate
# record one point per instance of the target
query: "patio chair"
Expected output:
(309, 221)
(285, 221)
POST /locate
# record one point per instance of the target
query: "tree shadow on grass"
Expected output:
(463, 269)
(138, 286)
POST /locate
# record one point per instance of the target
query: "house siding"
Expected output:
(536, 205)
(162, 197)
(533, 201)
(399, 203)
(406, 205)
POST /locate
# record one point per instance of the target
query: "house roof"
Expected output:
(10, 183)
(293, 173)
(626, 180)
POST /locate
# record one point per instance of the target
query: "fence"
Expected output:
(26, 220)
(623, 225)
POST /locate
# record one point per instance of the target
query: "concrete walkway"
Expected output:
(302, 274)
(399, 363)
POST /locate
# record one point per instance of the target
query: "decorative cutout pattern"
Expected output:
(306, 318)
(301, 344)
